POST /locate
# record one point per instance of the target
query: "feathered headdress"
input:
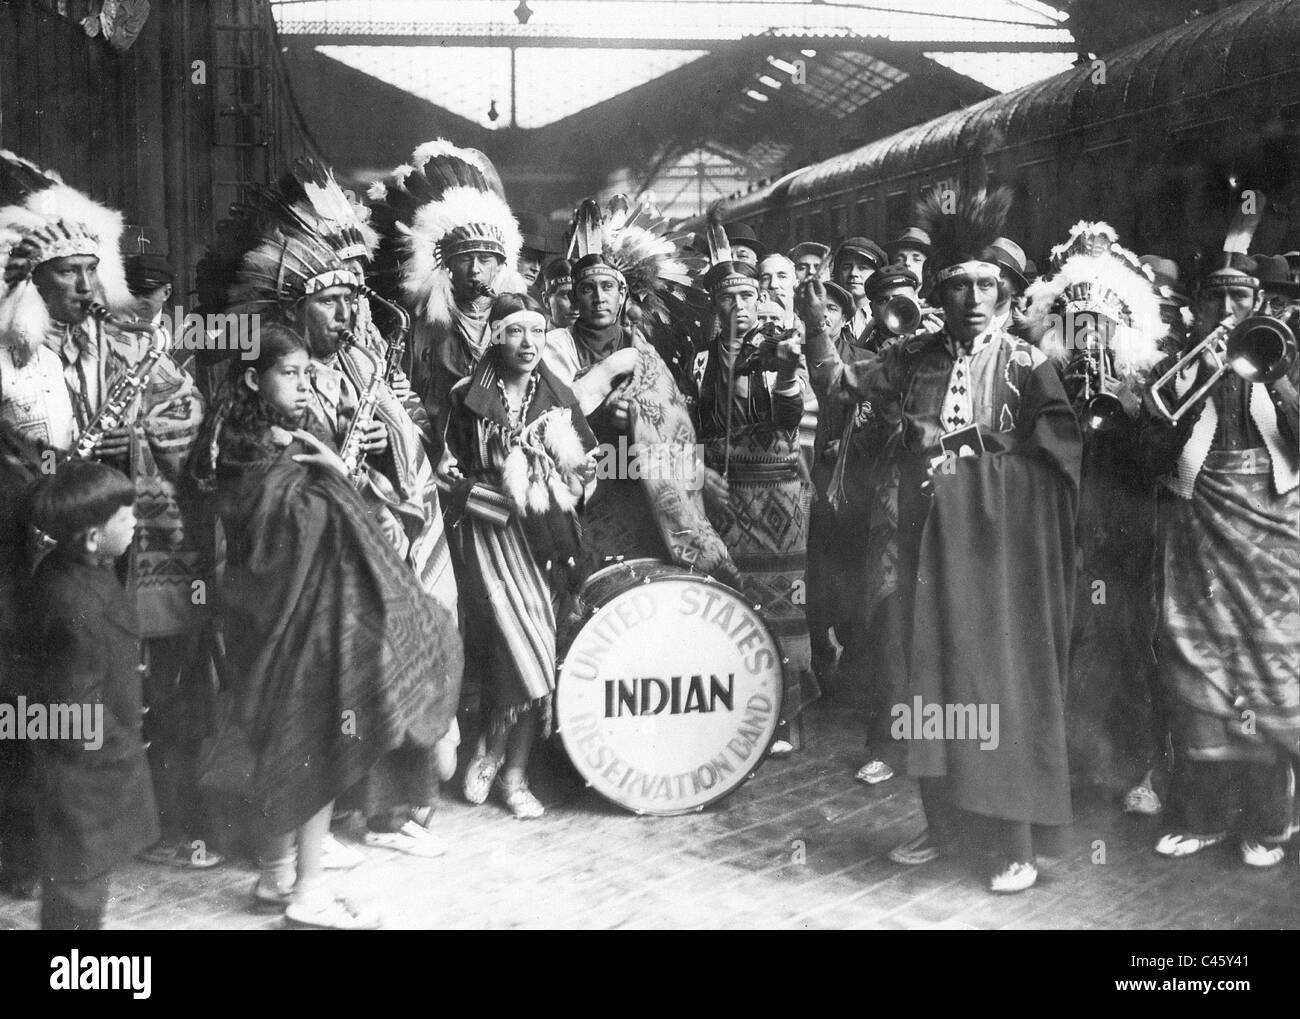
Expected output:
(448, 201)
(1097, 277)
(276, 248)
(1234, 266)
(634, 244)
(311, 187)
(41, 218)
(962, 225)
(723, 270)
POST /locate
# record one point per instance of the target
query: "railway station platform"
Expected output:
(800, 846)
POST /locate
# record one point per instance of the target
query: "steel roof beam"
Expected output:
(819, 42)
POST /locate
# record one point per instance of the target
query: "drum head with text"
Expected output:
(669, 695)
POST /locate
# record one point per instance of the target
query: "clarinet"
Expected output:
(124, 389)
(384, 372)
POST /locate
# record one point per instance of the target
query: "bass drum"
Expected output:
(669, 692)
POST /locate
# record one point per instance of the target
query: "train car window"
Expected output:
(1030, 222)
(865, 218)
(898, 210)
(1105, 184)
(840, 220)
(817, 230)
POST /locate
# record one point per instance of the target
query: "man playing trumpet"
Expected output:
(1230, 606)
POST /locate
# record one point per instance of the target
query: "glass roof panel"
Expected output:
(552, 83)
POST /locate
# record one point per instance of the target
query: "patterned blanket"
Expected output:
(660, 420)
(1231, 611)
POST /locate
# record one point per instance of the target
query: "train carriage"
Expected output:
(1155, 138)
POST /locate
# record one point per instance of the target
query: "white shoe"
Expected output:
(1177, 845)
(1014, 877)
(332, 913)
(873, 772)
(411, 839)
(337, 856)
(1256, 854)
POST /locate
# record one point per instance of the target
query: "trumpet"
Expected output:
(1260, 348)
(125, 387)
(1102, 410)
(902, 314)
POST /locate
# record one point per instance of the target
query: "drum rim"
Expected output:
(627, 563)
(782, 662)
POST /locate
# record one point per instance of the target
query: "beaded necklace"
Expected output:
(517, 422)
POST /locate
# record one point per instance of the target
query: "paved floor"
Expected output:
(800, 846)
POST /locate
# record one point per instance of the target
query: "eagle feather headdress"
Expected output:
(281, 243)
(1096, 276)
(447, 201)
(635, 241)
(41, 218)
(311, 188)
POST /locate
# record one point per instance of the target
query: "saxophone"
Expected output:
(396, 343)
(125, 387)
(383, 373)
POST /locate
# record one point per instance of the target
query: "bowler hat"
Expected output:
(739, 233)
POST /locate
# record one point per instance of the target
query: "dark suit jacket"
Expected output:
(96, 807)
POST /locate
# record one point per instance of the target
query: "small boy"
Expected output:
(95, 805)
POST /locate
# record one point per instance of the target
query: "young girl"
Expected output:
(337, 655)
(514, 425)
(94, 804)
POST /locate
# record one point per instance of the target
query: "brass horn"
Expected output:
(1260, 348)
(1103, 413)
(1102, 410)
(901, 315)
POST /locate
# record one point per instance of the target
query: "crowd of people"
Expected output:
(289, 565)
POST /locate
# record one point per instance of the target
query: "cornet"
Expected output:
(1102, 409)
(1259, 349)
(901, 315)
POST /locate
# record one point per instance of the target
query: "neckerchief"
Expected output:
(470, 322)
(594, 345)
